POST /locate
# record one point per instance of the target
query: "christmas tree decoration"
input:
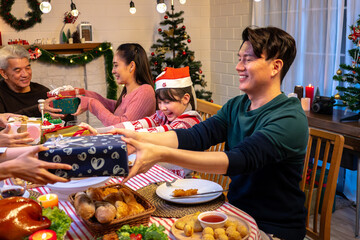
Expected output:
(34, 16)
(169, 32)
(349, 89)
(171, 50)
(166, 17)
(104, 49)
(159, 29)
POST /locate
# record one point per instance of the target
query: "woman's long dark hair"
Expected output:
(135, 52)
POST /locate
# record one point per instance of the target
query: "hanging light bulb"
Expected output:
(257, 0)
(161, 6)
(182, 1)
(45, 6)
(74, 11)
(132, 7)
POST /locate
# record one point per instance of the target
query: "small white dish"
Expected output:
(212, 219)
(11, 187)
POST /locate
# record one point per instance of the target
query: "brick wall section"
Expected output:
(227, 20)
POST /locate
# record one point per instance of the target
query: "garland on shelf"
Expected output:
(104, 49)
(20, 24)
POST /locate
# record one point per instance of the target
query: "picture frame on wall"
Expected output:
(85, 30)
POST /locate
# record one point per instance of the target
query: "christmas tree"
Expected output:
(171, 50)
(349, 90)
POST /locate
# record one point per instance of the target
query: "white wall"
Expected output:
(215, 28)
(228, 18)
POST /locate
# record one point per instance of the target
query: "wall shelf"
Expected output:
(74, 48)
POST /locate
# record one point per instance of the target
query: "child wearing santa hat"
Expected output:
(176, 100)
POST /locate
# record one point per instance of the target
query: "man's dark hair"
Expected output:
(274, 42)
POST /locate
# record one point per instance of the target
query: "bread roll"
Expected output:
(105, 212)
(127, 195)
(95, 194)
(113, 198)
(84, 206)
(135, 208)
(122, 209)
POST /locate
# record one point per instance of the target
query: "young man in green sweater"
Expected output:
(265, 133)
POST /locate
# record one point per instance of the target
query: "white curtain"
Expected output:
(320, 29)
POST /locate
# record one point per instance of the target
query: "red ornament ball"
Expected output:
(189, 40)
(183, 53)
(159, 29)
(152, 54)
(183, 27)
(211, 101)
(200, 71)
(166, 17)
(155, 63)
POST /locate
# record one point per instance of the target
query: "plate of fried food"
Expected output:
(189, 227)
(185, 191)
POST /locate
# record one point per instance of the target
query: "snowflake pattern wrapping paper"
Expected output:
(89, 156)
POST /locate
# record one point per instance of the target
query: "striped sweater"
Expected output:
(158, 122)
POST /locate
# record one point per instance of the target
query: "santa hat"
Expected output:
(175, 78)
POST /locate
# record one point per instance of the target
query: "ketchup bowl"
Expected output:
(212, 219)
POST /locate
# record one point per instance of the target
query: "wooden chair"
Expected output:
(206, 110)
(328, 147)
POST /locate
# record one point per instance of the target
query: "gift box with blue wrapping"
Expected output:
(101, 155)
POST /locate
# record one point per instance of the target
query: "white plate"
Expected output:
(77, 185)
(202, 185)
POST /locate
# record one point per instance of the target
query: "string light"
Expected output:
(161, 6)
(45, 6)
(182, 1)
(74, 11)
(100, 49)
(132, 7)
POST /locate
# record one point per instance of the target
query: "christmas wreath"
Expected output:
(20, 24)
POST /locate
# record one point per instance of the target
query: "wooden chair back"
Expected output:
(206, 110)
(326, 147)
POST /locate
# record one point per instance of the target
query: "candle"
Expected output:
(309, 92)
(48, 200)
(46, 234)
(305, 104)
(299, 90)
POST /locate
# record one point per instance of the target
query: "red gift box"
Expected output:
(68, 93)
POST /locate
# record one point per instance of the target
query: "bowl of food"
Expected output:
(212, 219)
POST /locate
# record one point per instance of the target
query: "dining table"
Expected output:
(157, 174)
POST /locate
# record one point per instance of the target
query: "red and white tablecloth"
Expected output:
(79, 230)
